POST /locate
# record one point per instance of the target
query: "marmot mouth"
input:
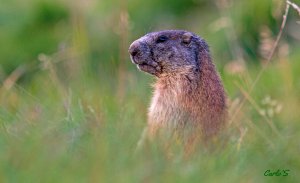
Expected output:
(149, 68)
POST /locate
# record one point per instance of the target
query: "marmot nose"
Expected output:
(133, 50)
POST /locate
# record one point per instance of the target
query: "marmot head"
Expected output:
(169, 51)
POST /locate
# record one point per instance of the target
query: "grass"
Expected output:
(83, 132)
(67, 122)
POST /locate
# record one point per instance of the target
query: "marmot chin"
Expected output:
(188, 93)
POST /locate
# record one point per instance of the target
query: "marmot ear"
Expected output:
(187, 37)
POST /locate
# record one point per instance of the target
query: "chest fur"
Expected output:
(166, 109)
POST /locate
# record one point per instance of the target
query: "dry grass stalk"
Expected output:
(123, 47)
(295, 6)
(267, 62)
(256, 107)
(10, 81)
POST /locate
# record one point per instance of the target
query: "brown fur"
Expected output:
(188, 98)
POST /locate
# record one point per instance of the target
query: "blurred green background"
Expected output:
(73, 106)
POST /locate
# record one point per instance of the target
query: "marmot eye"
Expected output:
(161, 39)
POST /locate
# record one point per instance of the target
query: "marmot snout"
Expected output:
(188, 92)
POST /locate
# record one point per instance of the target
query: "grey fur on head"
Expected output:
(168, 51)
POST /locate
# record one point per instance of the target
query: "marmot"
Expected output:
(188, 92)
